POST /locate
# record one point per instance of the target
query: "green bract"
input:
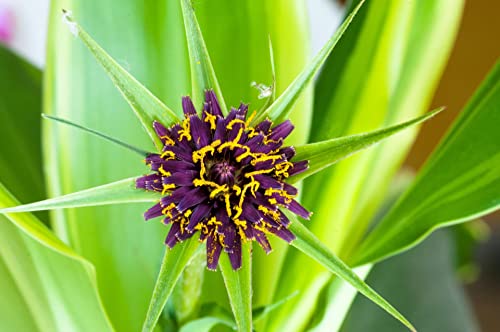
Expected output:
(100, 268)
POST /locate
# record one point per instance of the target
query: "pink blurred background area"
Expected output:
(6, 24)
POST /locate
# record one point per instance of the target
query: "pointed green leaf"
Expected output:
(280, 109)
(312, 247)
(49, 286)
(174, 262)
(202, 72)
(130, 147)
(460, 181)
(147, 107)
(119, 192)
(326, 153)
(239, 287)
(206, 324)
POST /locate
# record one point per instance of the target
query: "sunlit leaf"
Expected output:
(119, 192)
(239, 287)
(147, 107)
(56, 289)
(281, 107)
(202, 72)
(323, 154)
(174, 262)
(460, 181)
(312, 247)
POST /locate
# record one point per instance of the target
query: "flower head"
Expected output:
(223, 178)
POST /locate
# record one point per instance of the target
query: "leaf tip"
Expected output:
(67, 18)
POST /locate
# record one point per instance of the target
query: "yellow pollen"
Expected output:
(168, 155)
(167, 187)
(186, 130)
(211, 119)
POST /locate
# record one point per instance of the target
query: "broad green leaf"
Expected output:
(98, 134)
(282, 106)
(120, 192)
(147, 38)
(202, 72)
(147, 107)
(174, 262)
(422, 283)
(460, 181)
(312, 247)
(239, 287)
(408, 43)
(205, 324)
(50, 287)
(323, 154)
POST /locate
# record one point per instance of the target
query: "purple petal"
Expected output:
(180, 179)
(283, 233)
(194, 197)
(281, 131)
(268, 182)
(288, 152)
(153, 212)
(242, 111)
(290, 190)
(213, 103)
(175, 196)
(250, 213)
(188, 107)
(264, 126)
(299, 167)
(213, 252)
(298, 209)
(143, 180)
(172, 239)
(201, 212)
(261, 238)
(235, 255)
(220, 130)
(184, 153)
(200, 132)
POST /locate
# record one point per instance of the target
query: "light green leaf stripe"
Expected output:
(119, 192)
(146, 106)
(56, 268)
(307, 242)
(239, 287)
(173, 264)
(264, 311)
(460, 181)
(113, 140)
(282, 106)
(327, 153)
(202, 71)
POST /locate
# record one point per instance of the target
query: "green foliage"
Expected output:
(174, 48)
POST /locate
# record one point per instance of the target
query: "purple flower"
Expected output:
(223, 179)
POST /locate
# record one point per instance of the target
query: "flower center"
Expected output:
(223, 173)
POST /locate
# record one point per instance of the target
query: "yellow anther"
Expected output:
(250, 118)
(239, 211)
(265, 158)
(168, 140)
(233, 122)
(167, 187)
(164, 172)
(186, 130)
(168, 155)
(237, 189)
(262, 171)
(228, 203)
(274, 214)
(211, 119)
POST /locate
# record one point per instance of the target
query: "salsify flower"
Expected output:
(224, 179)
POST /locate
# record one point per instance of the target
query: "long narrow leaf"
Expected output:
(323, 154)
(202, 71)
(57, 287)
(130, 147)
(173, 264)
(460, 182)
(206, 324)
(118, 192)
(239, 288)
(312, 247)
(146, 106)
(282, 106)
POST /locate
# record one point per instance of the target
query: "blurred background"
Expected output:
(474, 248)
